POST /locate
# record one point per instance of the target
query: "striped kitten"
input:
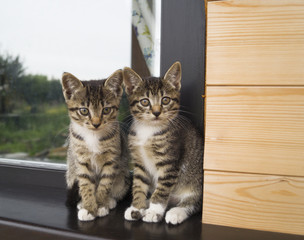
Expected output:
(96, 162)
(166, 149)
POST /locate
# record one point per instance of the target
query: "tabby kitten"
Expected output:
(97, 163)
(165, 148)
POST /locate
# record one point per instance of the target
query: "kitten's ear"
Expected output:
(70, 85)
(174, 75)
(114, 82)
(131, 80)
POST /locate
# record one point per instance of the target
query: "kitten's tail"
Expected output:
(73, 196)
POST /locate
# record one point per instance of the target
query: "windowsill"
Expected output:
(32, 164)
(34, 199)
(32, 206)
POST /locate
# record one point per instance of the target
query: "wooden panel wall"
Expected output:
(255, 42)
(254, 115)
(264, 202)
(255, 129)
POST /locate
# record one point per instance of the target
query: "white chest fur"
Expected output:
(143, 134)
(91, 138)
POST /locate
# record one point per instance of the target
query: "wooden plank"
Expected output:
(255, 129)
(255, 42)
(263, 202)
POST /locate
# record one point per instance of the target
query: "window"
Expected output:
(41, 191)
(39, 41)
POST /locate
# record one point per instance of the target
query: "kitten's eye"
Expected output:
(106, 110)
(84, 111)
(166, 100)
(145, 102)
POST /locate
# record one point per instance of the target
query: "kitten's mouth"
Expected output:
(156, 119)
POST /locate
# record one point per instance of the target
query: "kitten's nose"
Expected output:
(96, 125)
(156, 110)
(156, 114)
(96, 122)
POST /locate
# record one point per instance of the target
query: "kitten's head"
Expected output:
(92, 104)
(154, 101)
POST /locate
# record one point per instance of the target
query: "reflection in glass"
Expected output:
(39, 41)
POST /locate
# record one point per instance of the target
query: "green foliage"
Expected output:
(34, 133)
(31, 90)
(36, 90)
(33, 116)
(11, 71)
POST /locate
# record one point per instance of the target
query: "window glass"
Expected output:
(39, 41)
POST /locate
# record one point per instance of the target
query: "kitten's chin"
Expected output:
(153, 121)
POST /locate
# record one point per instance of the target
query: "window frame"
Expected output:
(183, 38)
(176, 16)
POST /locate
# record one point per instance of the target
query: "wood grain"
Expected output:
(255, 129)
(255, 42)
(263, 202)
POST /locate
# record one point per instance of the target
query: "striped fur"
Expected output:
(167, 151)
(96, 159)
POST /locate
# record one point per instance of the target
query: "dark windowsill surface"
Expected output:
(32, 206)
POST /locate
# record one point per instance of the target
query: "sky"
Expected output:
(88, 38)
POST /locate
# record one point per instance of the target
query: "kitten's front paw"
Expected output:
(133, 213)
(84, 215)
(154, 213)
(176, 215)
(101, 212)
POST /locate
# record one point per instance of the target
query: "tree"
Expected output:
(11, 70)
(19, 89)
(36, 90)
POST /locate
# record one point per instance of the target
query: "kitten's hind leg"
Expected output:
(187, 207)
(177, 215)
(102, 211)
(120, 188)
(79, 205)
(112, 203)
